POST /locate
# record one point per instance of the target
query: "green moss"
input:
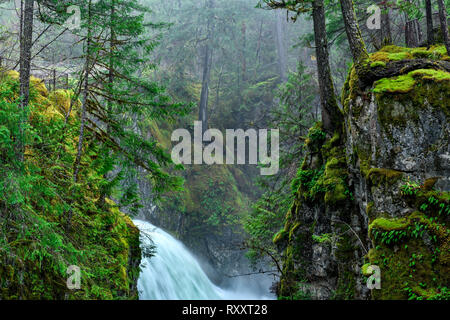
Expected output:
(338, 194)
(294, 229)
(323, 238)
(387, 56)
(280, 236)
(389, 224)
(400, 84)
(386, 176)
(400, 99)
(364, 270)
(393, 49)
(315, 138)
(395, 53)
(378, 64)
(431, 75)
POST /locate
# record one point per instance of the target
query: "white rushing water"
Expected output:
(175, 274)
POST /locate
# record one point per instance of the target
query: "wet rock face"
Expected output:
(402, 135)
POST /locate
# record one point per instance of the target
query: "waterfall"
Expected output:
(173, 273)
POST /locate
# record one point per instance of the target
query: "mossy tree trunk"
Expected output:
(26, 42)
(356, 42)
(331, 115)
(444, 25)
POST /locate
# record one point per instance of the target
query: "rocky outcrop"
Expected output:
(376, 193)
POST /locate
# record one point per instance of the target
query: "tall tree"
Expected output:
(206, 67)
(444, 25)
(26, 42)
(331, 115)
(115, 96)
(355, 40)
(86, 72)
(281, 45)
(429, 18)
(386, 34)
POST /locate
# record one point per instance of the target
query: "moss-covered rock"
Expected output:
(356, 187)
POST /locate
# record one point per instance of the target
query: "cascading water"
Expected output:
(175, 274)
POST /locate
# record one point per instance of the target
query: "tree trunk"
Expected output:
(85, 95)
(411, 37)
(429, 15)
(356, 42)
(331, 115)
(386, 35)
(444, 26)
(203, 109)
(244, 49)
(281, 46)
(26, 42)
(203, 106)
(112, 43)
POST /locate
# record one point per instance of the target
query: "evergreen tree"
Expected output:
(331, 115)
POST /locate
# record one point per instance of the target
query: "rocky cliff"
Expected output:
(377, 192)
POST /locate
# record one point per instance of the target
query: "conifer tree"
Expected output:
(117, 44)
(331, 115)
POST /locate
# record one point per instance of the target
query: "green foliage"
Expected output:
(47, 221)
(324, 238)
(220, 212)
(307, 179)
(293, 117)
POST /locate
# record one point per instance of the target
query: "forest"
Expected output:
(224, 150)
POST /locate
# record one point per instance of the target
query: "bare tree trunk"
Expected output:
(203, 107)
(26, 42)
(281, 46)
(411, 40)
(444, 26)
(258, 49)
(244, 49)
(85, 95)
(429, 15)
(112, 43)
(331, 115)
(418, 32)
(357, 46)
